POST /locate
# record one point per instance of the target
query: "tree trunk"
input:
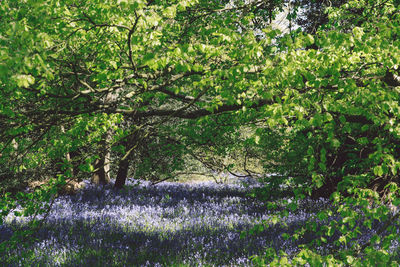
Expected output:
(76, 160)
(122, 174)
(123, 167)
(100, 176)
(102, 164)
(69, 171)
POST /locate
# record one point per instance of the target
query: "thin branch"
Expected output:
(131, 31)
(90, 20)
(184, 98)
(179, 113)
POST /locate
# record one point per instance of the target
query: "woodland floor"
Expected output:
(168, 224)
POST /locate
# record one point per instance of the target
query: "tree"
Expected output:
(313, 14)
(144, 79)
(148, 64)
(90, 66)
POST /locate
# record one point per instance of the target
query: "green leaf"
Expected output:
(322, 215)
(318, 180)
(350, 259)
(285, 236)
(24, 80)
(358, 32)
(331, 231)
(365, 128)
(113, 64)
(368, 223)
(170, 12)
(343, 239)
(375, 239)
(323, 155)
(284, 261)
(309, 39)
(322, 166)
(378, 170)
(335, 143)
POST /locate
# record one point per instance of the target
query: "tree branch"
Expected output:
(191, 114)
(131, 31)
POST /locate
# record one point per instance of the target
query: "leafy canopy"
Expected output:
(157, 73)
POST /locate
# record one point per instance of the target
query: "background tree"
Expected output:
(313, 14)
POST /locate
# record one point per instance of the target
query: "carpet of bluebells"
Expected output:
(167, 224)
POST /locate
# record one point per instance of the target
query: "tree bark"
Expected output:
(101, 166)
(70, 170)
(123, 167)
(76, 160)
(122, 174)
(100, 176)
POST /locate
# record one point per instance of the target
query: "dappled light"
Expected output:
(199, 133)
(166, 224)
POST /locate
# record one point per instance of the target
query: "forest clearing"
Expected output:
(109, 108)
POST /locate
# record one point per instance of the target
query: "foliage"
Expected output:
(29, 205)
(347, 90)
(153, 81)
(94, 70)
(74, 74)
